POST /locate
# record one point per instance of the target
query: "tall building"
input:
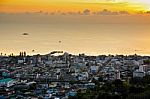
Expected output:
(117, 74)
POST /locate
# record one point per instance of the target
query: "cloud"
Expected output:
(148, 12)
(144, 13)
(108, 12)
(86, 12)
(123, 12)
(73, 13)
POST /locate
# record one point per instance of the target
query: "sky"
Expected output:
(92, 27)
(72, 5)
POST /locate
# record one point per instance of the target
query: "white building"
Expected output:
(117, 74)
(83, 76)
(20, 61)
(138, 73)
(94, 69)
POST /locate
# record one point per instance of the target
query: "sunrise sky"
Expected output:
(83, 26)
(73, 5)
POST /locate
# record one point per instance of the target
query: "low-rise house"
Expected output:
(94, 69)
(8, 82)
(139, 74)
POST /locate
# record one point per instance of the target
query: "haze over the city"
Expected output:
(76, 26)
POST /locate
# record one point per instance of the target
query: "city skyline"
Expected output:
(92, 27)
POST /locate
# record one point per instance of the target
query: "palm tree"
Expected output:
(20, 54)
(24, 53)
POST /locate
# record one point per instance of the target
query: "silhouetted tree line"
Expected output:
(137, 88)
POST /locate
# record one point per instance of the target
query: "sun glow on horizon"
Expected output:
(144, 3)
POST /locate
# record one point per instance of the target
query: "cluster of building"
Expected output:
(59, 75)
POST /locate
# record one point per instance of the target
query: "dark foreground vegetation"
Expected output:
(136, 88)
